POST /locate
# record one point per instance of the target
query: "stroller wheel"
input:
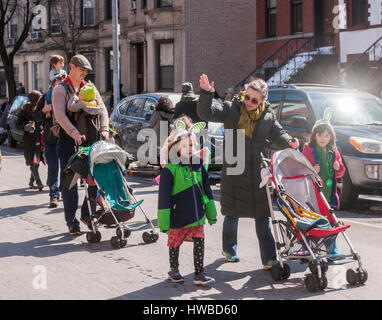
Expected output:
(150, 237)
(93, 237)
(122, 243)
(362, 276)
(115, 242)
(146, 237)
(311, 282)
(276, 272)
(323, 282)
(351, 277)
(126, 232)
(285, 271)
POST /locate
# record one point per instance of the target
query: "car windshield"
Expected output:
(348, 108)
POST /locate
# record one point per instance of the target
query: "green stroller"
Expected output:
(106, 163)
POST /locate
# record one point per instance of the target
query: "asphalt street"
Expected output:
(40, 260)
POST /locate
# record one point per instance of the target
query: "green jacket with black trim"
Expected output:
(176, 205)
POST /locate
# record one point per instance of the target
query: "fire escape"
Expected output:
(286, 62)
(365, 73)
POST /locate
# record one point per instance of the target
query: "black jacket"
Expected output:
(240, 193)
(187, 106)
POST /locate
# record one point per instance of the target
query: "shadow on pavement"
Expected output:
(258, 285)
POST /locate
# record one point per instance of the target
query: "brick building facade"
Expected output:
(162, 43)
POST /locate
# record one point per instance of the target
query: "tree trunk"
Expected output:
(10, 77)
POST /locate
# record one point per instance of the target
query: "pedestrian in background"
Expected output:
(29, 122)
(163, 111)
(187, 104)
(51, 146)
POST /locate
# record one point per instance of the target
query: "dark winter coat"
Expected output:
(187, 106)
(31, 141)
(241, 196)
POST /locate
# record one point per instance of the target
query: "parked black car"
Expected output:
(357, 121)
(132, 114)
(15, 135)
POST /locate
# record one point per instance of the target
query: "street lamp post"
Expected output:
(116, 75)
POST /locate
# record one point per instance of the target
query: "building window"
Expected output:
(165, 66)
(144, 4)
(108, 10)
(296, 17)
(328, 10)
(88, 15)
(37, 76)
(359, 10)
(164, 3)
(271, 10)
(109, 69)
(90, 55)
(35, 34)
(55, 22)
(12, 31)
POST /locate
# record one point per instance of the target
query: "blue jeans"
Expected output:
(70, 196)
(264, 235)
(53, 167)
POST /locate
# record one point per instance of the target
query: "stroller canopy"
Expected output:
(105, 152)
(294, 173)
(290, 163)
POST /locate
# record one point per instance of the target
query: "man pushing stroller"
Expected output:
(77, 125)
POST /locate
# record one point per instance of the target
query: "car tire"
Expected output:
(11, 142)
(348, 193)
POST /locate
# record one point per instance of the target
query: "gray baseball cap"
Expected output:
(80, 61)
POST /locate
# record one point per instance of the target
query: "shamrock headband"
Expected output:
(195, 129)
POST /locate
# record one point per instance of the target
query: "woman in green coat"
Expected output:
(241, 196)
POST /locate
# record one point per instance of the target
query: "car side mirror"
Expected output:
(147, 116)
(300, 122)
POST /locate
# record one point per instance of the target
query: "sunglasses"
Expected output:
(254, 100)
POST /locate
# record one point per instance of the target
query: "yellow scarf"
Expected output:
(248, 119)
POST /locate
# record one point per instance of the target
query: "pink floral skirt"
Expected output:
(177, 236)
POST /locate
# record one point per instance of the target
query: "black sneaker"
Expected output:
(74, 230)
(202, 279)
(175, 276)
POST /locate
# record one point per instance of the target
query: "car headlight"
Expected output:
(215, 128)
(366, 145)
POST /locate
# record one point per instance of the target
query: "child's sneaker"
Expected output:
(175, 276)
(230, 258)
(270, 264)
(202, 279)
